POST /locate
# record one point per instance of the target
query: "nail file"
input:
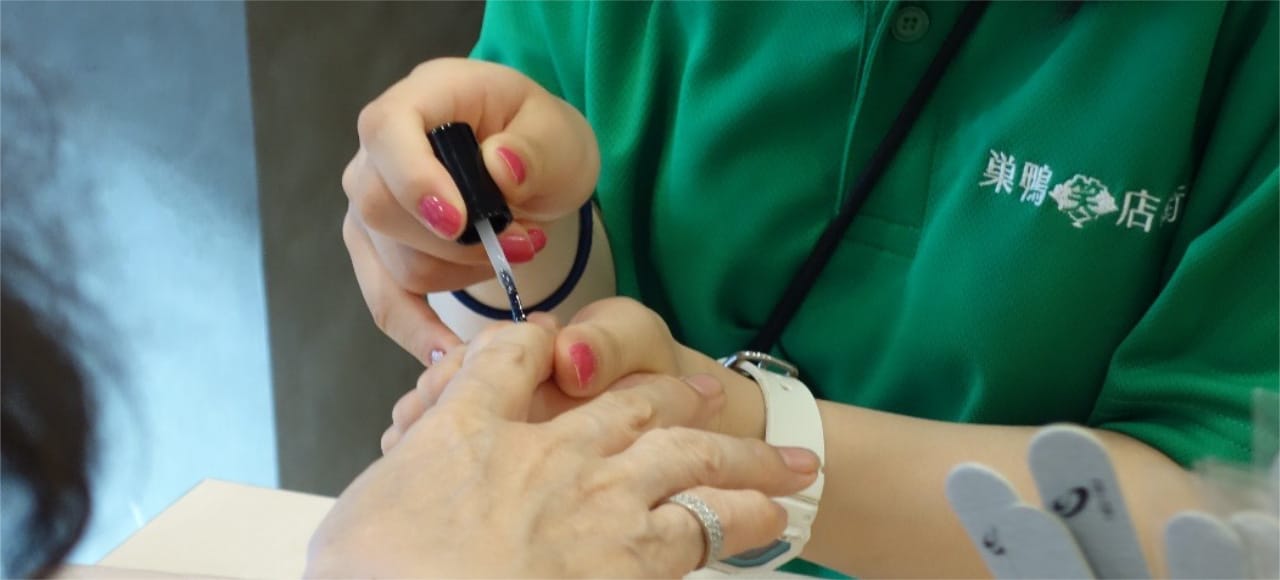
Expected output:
(1078, 484)
(1197, 545)
(1016, 540)
(501, 267)
(1260, 534)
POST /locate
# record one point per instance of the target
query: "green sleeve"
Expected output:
(1183, 380)
(545, 41)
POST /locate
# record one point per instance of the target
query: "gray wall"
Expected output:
(192, 249)
(140, 112)
(314, 66)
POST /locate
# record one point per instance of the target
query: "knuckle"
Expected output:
(600, 482)
(501, 354)
(704, 456)
(349, 179)
(622, 413)
(604, 307)
(708, 456)
(763, 453)
(372, 208)
(350, 231)
(383, 315)
(756, 500)
(402, 412)
(371, 120)
(427, 67)
(432, 386)
(638, 412)
(482, 339)
(389, 439)
(631, 307)
(417, 183)
(414, 272)
(657, 323)
(624, 304)
(644, 324)
(587, 419)
(458, 422)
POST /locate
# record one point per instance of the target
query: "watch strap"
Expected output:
(791, 417)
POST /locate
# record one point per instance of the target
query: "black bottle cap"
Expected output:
(457, 149)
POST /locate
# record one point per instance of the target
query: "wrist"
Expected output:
(791, 419)
(744, 412)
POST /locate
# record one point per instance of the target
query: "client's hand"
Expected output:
(604, 344)
(473, 490)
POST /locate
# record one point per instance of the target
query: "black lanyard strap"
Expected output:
(807, 275)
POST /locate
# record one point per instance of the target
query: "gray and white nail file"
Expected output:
(1197, 545)
(1016, 540)
(1260, 534)
(1078, 484)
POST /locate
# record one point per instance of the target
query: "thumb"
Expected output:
(546, 160)
(611, 339)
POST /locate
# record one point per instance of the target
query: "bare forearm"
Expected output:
(884, 510)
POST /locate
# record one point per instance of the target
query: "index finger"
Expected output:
(403, 316)
(614, 420)
(666, 461)
(502, 368)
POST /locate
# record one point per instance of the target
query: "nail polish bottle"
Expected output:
(456, 147)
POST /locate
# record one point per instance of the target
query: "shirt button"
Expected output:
(911, 23)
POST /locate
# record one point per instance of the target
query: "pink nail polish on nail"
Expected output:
(518, 248)
(539, 239)
(584, 363)
(513, 163)
(445, 219)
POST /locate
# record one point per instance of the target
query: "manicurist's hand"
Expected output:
(405, 211)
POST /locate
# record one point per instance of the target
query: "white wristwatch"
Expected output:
(791, 420)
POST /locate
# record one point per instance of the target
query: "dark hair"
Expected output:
(46, 418)
(46, 439)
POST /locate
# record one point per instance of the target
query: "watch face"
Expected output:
(758, 556)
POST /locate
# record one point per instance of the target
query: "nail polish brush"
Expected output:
(456, 147)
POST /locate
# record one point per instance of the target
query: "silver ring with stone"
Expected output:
(712, 533)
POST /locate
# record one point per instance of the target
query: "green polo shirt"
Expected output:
(1082, 225)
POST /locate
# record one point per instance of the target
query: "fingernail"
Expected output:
(445, 219)
(705, 384)
(436, 355)
(518, 248)
(539, 239)
(584, 363)
(799, 460)
(513, 163)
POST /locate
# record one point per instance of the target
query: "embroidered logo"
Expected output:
(1174, 206)
(1083, 199)
(1139, 213)
(1035, 182)
(1000, 170)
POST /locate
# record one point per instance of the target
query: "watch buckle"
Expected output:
(765, 361)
